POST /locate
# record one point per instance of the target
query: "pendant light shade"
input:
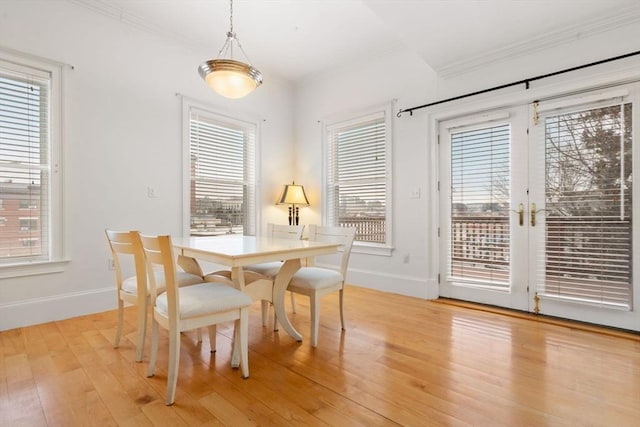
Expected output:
(229, 77)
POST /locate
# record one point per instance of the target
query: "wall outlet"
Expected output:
(111, 265)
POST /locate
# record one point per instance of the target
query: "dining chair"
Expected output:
(191, 307)
(134, 290)
(255, 275)
(280, 231)
(269, 270)
(316, 282)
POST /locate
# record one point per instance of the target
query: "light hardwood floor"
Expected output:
(402, 361)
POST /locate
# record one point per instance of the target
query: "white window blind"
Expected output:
(25, 164)
(588, 206)
(357, 177)
(222, 155)
(480, 188)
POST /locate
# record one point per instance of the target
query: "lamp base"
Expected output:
(294, 215)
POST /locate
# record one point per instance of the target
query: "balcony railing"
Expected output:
(480, 239)
(368, 229)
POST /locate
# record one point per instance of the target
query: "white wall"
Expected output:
(123, 134)
(401, 75)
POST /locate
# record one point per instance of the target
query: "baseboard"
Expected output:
(418, 287)
(42, 310)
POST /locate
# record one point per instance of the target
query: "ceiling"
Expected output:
(296, 39)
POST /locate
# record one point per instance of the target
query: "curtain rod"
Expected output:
(519, 82)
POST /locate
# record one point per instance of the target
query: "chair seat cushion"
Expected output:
(205, 298)
(269, 269)
(130, 285)
(315, 278)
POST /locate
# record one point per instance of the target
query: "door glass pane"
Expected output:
(480, 205)
(588, 206)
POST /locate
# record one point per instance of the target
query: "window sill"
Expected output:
(32, 269)
(369, 249)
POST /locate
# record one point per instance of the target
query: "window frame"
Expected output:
(248, 123)
(329, 125)
(54, 263)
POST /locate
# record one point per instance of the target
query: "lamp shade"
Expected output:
(229, 78)
(293, 194)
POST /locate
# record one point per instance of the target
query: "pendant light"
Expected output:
(227, 76)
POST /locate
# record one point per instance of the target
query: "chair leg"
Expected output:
(142, 330)
(344, 328)
(315, 319)
(198, 335)
(265, 312)
(116, 341)
(275, 321)
(154, 347)
(293, 302)
(235, 344)
(174, 363)
(212, 338)
(244, 342)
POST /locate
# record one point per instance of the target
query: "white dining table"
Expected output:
(238, 251)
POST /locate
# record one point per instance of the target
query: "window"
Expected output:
(220, 156)
(30, 101)
(358, 176)
(28, 224)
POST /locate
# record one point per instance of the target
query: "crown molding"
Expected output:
(115, 12)
(622, 18)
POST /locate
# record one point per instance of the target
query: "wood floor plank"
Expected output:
(401, 362)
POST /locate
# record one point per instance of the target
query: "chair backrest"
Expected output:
(159, 255)
(342, 235)
(127, 243)
(293, 232)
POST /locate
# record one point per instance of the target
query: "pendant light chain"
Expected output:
(231, 16)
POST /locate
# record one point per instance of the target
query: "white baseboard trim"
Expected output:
(58, 307)
(418, 287)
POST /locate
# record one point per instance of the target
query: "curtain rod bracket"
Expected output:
(400, 111)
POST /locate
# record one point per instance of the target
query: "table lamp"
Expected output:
(294, 195)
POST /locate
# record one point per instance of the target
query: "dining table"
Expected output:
(238, 251)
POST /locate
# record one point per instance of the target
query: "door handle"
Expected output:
(521, 214)
(534, 212)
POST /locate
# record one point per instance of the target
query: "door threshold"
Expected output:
(573, 324)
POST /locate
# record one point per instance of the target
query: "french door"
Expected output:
(537, 206)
